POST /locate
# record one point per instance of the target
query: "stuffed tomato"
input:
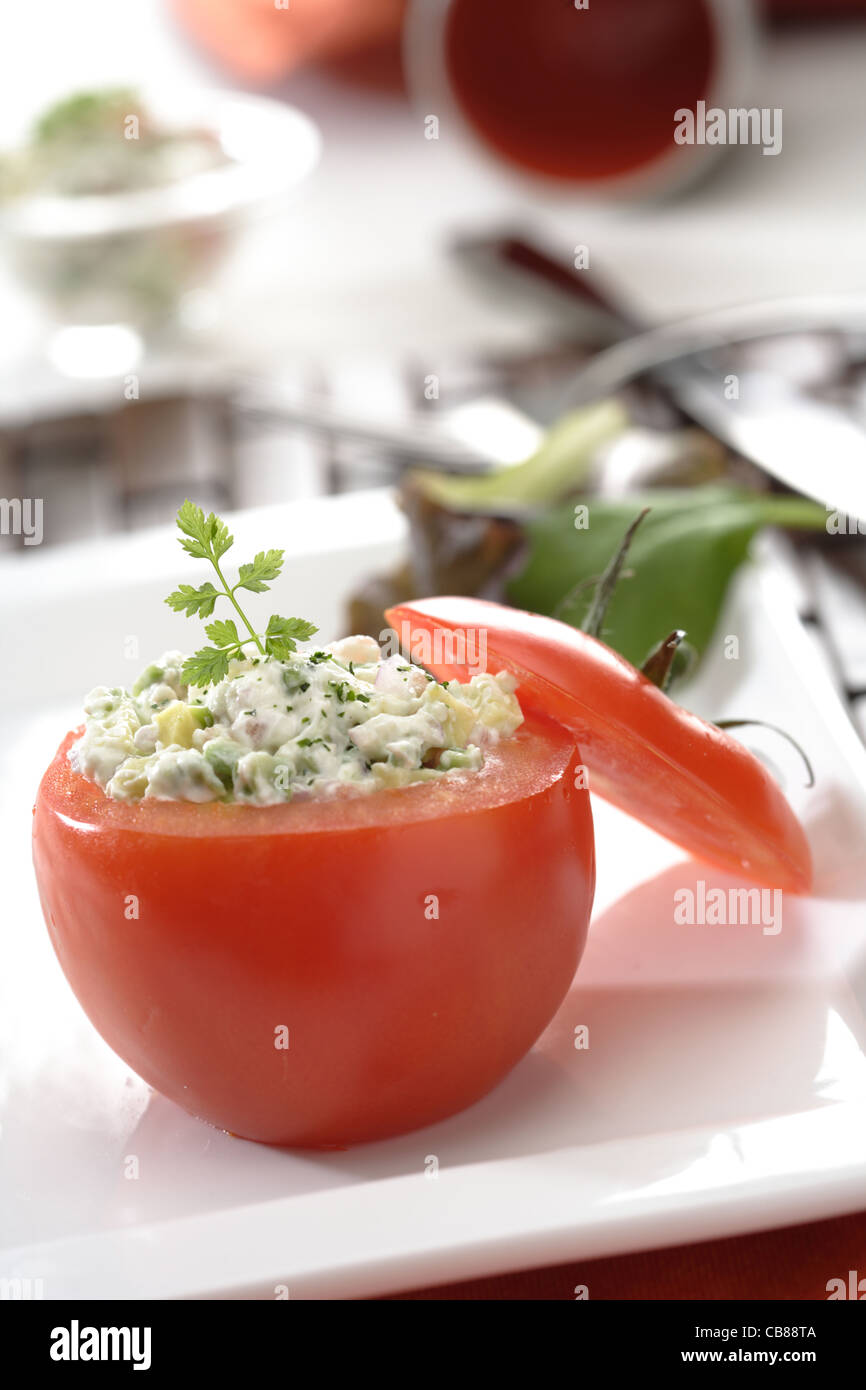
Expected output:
(319, 896)
(313, 895)
(325, 971)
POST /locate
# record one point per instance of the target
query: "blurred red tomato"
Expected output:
(260, 41)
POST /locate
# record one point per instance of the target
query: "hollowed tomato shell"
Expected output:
(408, 946)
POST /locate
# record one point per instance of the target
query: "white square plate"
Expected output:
(724, 1085)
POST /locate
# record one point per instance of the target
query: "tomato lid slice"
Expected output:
(685, 778)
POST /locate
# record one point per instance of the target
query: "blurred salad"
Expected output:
(538, 535)
(107, 145)
(104, 142)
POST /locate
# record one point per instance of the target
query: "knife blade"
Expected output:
(810, 445)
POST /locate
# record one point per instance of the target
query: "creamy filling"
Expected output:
(329, 718)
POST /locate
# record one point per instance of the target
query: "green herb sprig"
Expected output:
(207, 538)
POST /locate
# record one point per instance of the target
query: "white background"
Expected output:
(361, 266)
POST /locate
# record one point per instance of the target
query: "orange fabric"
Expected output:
(792, 1263)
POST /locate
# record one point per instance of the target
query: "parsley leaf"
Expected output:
(224, 633)
(186, 599)
(208, 666)
(266, 565)
(282, 635)
(346, 694)
(207, 538)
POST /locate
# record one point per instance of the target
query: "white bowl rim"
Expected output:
(216, 193)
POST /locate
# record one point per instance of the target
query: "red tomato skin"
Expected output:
(320, 918)
(686, 778)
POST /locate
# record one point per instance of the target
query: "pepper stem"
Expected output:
(604, 591)
(572, 597)
(659, 665)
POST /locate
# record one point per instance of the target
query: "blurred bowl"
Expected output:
(130, 257)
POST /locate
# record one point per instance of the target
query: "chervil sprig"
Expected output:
(207, 538)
